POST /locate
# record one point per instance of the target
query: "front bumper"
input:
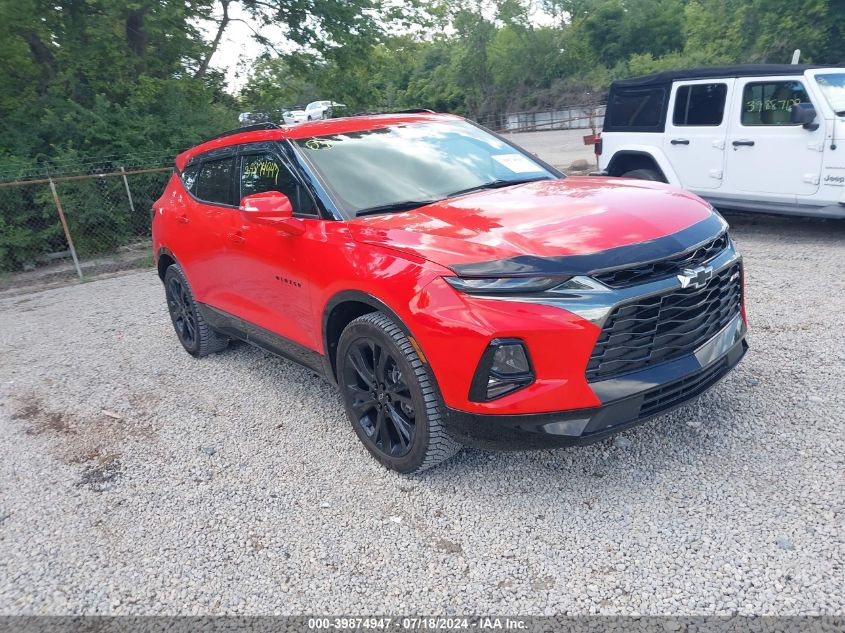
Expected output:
(626, 401)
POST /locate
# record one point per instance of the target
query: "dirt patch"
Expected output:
(40, 420)
(102, 474)
(95, 441)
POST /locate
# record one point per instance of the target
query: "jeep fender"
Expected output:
(644, 152)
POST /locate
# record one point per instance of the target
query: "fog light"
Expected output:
(510, 359)
(503, 369)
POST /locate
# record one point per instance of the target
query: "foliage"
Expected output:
(496, 58)
(138, 79)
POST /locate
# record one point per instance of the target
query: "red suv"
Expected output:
(456, 288)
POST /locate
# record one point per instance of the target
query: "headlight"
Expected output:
(504, 285)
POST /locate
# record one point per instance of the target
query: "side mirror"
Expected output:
(804, 114)
(272, 208)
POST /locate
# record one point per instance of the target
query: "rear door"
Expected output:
(767, 156)
(696, 130)
(205, 224)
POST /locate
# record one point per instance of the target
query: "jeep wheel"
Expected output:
(390, 397)
(644, 174)
(196, 336)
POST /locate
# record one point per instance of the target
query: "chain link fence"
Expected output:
(571, 117)
(61, 228)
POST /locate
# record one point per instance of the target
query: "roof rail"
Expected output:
(414, 111)
(408, 111)
(239, 130)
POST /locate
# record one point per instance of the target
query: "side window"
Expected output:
(214, 183)
(636, 108)
(770, 102)
(189, 177)
(265, 172)
(700, 104)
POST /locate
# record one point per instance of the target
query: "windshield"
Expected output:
(833, 88)
(392, 168)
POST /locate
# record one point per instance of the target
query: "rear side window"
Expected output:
(214, 183)
(770, 102)
(636, 109)
(266, 172)
(700, 104)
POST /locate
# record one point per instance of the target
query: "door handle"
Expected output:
(743, 143)
(236, 238)
(182, 219)
(679, 141)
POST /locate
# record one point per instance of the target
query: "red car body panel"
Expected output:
(285, 284)
(575, 216)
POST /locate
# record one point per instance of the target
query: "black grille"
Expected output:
(657, 329)
(664, 397)
(665, 267)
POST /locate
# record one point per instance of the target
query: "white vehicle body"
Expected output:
(291, 117)
(735, 136)
(253, 118)
(317, 110)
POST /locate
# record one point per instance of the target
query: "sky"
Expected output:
(238, 48)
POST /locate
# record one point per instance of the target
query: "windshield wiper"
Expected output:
(497, 184)
(407, 205)
(395, 207)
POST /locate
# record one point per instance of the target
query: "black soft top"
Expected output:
(739, 70)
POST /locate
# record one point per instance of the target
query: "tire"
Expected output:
(644, 174)
(399, 420)
(193, 332)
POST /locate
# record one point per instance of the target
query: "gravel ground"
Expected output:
(135, 479)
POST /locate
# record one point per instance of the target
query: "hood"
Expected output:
(569, 226)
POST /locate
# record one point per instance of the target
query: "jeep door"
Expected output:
(696, 130)
(267, 266)
(769, 157)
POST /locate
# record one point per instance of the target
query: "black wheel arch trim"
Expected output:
(356, 296)
(625, 153)
(163, 250)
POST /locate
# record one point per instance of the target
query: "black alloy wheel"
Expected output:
(381, 400)
(391, 397)
(182, 313)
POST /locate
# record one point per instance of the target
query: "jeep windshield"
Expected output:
(401, 167)
(833, 87)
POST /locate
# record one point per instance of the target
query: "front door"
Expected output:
(768, 156)
(694, 141)
(268, 268)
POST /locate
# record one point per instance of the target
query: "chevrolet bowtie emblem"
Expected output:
(695, 277)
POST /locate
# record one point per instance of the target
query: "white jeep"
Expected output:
(753, 137)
